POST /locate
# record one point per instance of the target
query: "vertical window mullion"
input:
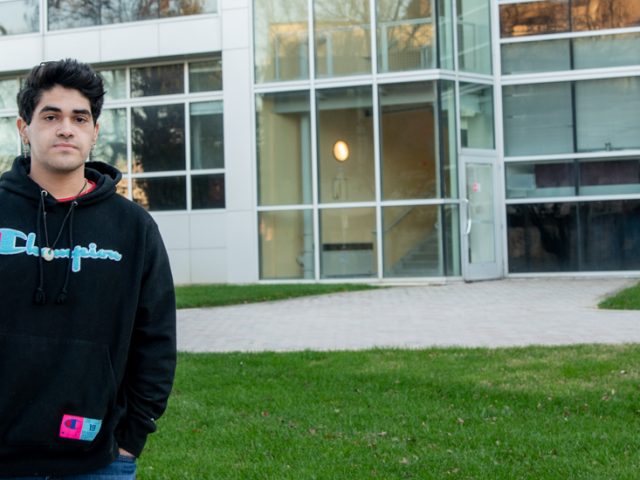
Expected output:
(129, 133)
(314, 139)
(187, 135)
(376, 136)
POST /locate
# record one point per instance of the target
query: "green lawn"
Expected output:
(627, 299)
(215, 295)
(532, 413)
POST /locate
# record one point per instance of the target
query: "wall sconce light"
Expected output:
(341, 151)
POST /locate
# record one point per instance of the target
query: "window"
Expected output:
(406, 35)
(9, 138)
(176, 139)
(342, 37)
(284, 148)
(168, 143)
(573, 177)
(409, 153)
(286, 244)
(82, 13)
(281, 40)
(538, 119)
(584, 116)
(574, 236)
(555, 16)
(474, 36)
(346, 115)
(599, 51)
(19, 16)
(476, 115)
(9, 142)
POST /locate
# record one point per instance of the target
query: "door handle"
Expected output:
(468, 207)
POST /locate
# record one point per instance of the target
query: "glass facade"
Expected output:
(362, 179)
(342, 37)
(572, 174)
(406, 35)
(19, 16)
(63, 14)
(574, 236)
(556, 16)
(23, 16)
(476, 116)
(474, 36)
(378, 130)
(284, 148)
(582, 116)
(167, 141)
(281, 40)
(571, 53)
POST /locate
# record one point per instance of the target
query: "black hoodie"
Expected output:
(87, 339)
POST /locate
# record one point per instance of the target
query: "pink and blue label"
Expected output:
(79, 428)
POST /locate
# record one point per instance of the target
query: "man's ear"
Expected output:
(96, 129)
(22, 129)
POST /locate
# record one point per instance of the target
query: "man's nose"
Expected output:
(65, 129)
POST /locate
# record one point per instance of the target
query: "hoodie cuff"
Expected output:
(132, 435)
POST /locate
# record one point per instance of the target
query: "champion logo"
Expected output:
(14, 242)
(79, 428)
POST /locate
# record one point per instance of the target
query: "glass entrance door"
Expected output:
(480, 228)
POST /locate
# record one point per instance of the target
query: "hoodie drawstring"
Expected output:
(40, 297)
(62, 296)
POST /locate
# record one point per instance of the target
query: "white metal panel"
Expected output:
(180, 266)
(190, 35)
(240, 188)
(208, 230)
(208, 266)
(86, 45)
(235, 28)
(20, 52)
(231, 4)
(129, 41)
(242, 251)
(174, 229)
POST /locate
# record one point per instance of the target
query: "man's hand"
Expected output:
(124, 453)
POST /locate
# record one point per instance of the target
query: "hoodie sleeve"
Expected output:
(152, 357)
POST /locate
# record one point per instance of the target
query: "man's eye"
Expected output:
(49, 117)
(82, 120)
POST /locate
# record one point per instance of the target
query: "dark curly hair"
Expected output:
(67, 73)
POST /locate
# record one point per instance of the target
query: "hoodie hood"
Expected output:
(17, 180)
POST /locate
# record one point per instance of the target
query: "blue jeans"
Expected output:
(124, 468)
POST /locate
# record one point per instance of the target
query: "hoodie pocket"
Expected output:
(45, 383)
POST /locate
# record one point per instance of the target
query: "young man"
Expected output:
(87, 308)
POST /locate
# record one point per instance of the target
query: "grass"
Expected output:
(543, 413)
(215, 295)
(627, 299)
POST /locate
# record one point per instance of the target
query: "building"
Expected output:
(395, 140)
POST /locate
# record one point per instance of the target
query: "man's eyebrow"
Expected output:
(49, 108)
(77, 111)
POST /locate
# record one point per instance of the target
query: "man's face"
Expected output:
(62, 131)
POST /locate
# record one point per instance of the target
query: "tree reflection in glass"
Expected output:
(158, 138)
(19, 16)
(343, 33)
(406, 35)
(9, 143)
(157, 80)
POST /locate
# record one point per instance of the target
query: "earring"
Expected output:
(26, 149)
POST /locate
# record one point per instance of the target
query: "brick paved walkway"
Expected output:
(511, 312)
